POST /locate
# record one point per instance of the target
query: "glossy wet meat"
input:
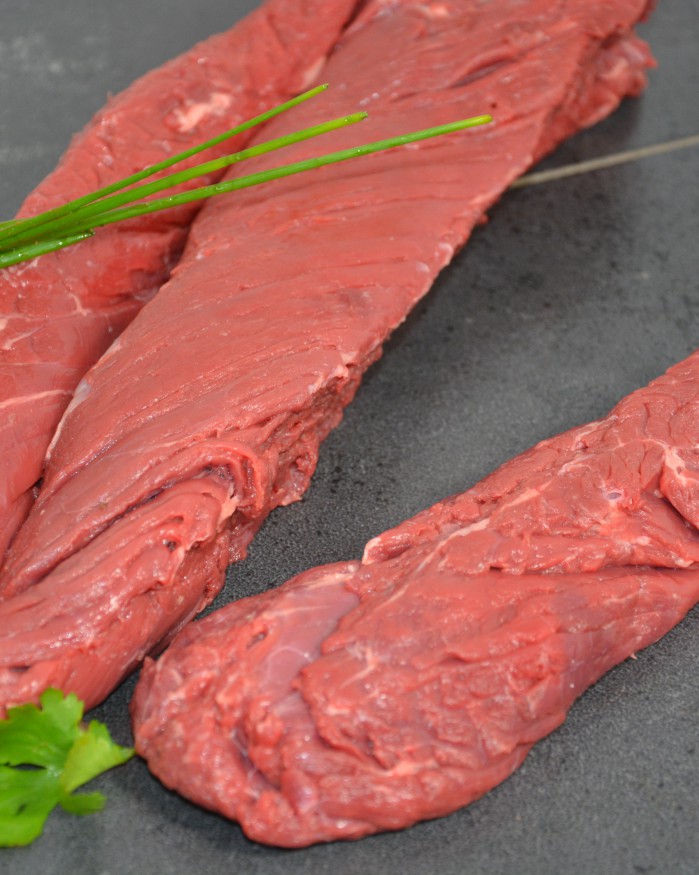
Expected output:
(59, 313)
(366, 696)
(209, 410)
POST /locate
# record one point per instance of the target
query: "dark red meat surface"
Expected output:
(209, 410)
(366, 696)
(59, 313)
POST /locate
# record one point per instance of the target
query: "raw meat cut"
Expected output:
(208, 411)
(58, 314)
(366, 696)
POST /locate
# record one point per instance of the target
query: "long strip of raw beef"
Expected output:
(366, 696)
(209, 410)
(59, 313)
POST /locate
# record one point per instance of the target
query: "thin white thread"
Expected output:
(605, 161)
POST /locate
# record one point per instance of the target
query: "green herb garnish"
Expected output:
(46, 754)
(24, 239)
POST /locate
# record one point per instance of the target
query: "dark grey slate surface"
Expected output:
(576, 293)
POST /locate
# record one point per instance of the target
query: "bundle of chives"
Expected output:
(25, 239)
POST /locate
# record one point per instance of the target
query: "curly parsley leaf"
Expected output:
(45, 755)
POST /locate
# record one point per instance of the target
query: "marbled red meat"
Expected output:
(209, 410)
(366, 696)
(59, 313)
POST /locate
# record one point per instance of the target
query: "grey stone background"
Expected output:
(576, 293)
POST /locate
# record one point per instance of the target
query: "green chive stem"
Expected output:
(33, 250)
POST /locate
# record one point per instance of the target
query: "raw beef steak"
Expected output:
(366, 696)
(209, 410)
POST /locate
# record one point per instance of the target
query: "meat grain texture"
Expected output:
(209, 410)
(365, 696)
(59, 313)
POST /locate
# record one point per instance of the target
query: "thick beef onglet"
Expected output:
(59, 313)
(365, 696)
(209, 410)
